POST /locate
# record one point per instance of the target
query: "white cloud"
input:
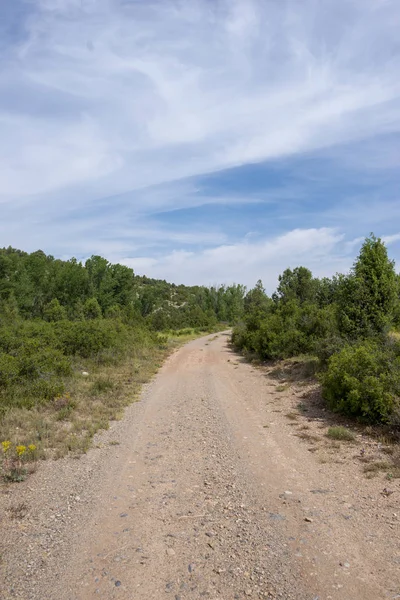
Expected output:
(112, 110)
(321, 250)
(391, 239)
(149, 92)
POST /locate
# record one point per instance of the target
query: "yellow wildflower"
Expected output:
(6, 446)
(20, 450)
(32, 447)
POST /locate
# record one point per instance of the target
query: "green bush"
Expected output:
(44, 390)
(341, 433)
(363, 380)
(88, 338)
(92, 309)
(53, 311)
(239, 336)
(8, 369)
(326, 347)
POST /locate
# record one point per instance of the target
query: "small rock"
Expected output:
(85, 374)
(191, 568)
(123, 515)
(308, 520)
(117, 583)
(170, 552)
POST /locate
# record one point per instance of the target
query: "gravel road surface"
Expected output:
(201, 492)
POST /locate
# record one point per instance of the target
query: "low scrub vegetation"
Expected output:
(347, 326)
(341, 433)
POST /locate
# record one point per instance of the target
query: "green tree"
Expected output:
(53, 311)
(367, 296)
(92, 309)
(297, 284)
(256, 306)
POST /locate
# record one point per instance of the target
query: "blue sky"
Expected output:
(203, 142)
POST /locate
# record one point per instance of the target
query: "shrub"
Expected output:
(92, 309)
(341, 433)
(88, 338)
(8, 369)
(363, 380)
(53, 311)
(326, 347)
(239, 336)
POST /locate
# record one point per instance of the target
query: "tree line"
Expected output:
(59, 316)
(38, 286)
(348, 322)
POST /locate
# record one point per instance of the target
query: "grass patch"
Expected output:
(102, 385)
(375, 467)
(393, 473)
(340, 433)
(300, 369)
(66, 423)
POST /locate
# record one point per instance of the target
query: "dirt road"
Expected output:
(202, 491)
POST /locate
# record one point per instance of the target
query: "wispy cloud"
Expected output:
(119, 108)
(321, 250)
(146, 92)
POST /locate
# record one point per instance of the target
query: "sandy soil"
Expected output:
(205, 490)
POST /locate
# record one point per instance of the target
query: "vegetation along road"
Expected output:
(218, 483)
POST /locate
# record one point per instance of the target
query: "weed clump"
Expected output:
(340, 433)
(14, 460)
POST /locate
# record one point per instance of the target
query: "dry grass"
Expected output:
(341, 433)
(296, 369)
(394, 473)
(68, 424)
(18, 511)
(394, 470)
(375, 467)
(389, 450)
